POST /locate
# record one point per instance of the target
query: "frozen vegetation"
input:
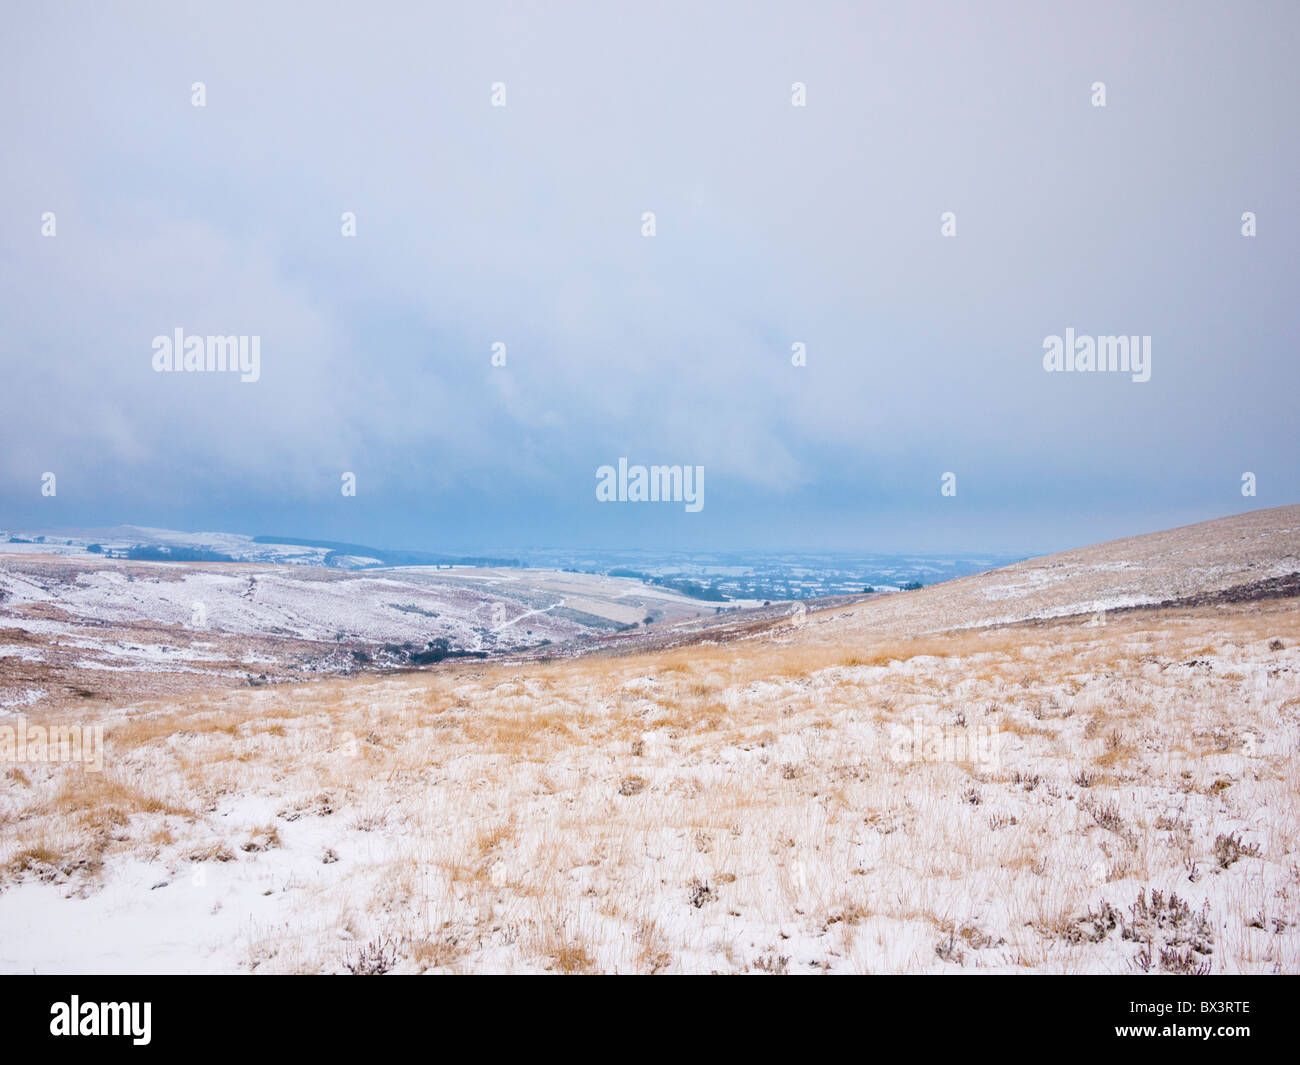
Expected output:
(1083, 763)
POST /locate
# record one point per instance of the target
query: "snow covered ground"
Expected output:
(61, 615)
(887, 786)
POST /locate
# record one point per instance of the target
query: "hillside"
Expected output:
(985, 775)
(114, 630)
(1197, 564)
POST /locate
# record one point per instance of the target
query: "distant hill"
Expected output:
(1255, 555)
(336, 550)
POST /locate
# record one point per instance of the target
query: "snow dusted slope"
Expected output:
(818, 793)
(120, 538)
(62, 616)
(474, 609)
(1195, 564)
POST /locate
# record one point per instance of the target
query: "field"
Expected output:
(79, 629)
(1084, 763)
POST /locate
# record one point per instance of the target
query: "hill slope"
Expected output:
(1193, 564)
(913, 783)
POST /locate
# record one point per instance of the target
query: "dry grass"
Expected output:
(737, 807)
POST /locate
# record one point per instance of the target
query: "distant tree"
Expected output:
(910, 586)
(168, 553)
(96, 549)
(868, 590)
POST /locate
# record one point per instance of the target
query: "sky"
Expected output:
(774, 225)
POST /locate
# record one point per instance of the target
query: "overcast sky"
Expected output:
(775, 224)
